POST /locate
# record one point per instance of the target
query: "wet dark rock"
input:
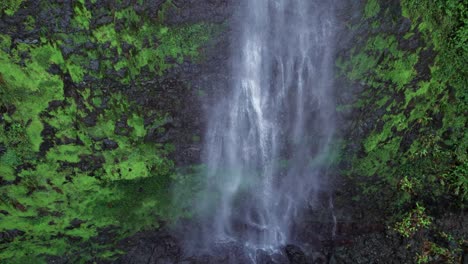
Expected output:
(165, 137)
(48, 133)
(90, 162)
(89, 45)
(75, 223)
(374, 248)
(190, 11)
(94, 65)
(121, 127)
(3, 149)
(262, 257)
(126, 47)
(103, 21)
(26, 41)
(10, 235)
(108, 144)
(90, 120)
(121, 73)
(426, 59)
(54, 69)
(405, 26)
(295, 254)
(150, 248)
(318, 258)
(139, 9)
(332, 260)
(119, 26)
(67, 50)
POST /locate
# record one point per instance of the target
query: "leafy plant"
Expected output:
(411, 115)
(413, 221)
(10, 7)
(68, 181)
(371, 9)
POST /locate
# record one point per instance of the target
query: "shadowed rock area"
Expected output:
(103, 116)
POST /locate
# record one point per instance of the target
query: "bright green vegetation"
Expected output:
(10, 7)
(413, 159)
(413, 221)
(372, 8)
(65, 180)
(80, 187)
(129, 44)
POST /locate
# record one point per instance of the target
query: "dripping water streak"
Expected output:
(268, 139)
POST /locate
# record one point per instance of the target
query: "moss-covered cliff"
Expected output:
(101, 117)
(406, 151)
(84, 161)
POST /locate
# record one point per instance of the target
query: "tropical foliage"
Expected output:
(77, 166)
(412, 114)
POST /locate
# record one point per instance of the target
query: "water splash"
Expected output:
(269, 138)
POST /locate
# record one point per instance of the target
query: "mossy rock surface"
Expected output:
(80, 164)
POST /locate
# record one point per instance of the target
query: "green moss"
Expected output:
(29, 23)
(8, 162)
(106, 34)
(69, 153)
(361, 65)
(34, 134)
(151, 44)
(137, 123)
(135, 165)
(46, 55)
(413, 222)
(64, 120)
(371, 9)
(7, 172)
(403, 71)
(50, 196)
(10, 7)
(418, 138)
(82, 15)
(195, 138)
(78, 184)
(30, 88)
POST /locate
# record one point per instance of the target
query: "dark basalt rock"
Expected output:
(3, 149)
(10, 235)
(90, 162)
(150, 248)
(103, 20)
(191, 11)
(94, 65)
(67, 50)
(295, 254)
(75, 223)
(121, 127)
(108, 144)
(90, 120)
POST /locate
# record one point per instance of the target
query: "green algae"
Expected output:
(66, 183)
(411, 157)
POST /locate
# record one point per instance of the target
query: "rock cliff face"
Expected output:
(349, 230)
(182, 91)
(348, 226)
(100, 95)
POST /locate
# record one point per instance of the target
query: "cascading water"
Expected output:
(268, 139)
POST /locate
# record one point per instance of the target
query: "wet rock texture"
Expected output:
(358, 236)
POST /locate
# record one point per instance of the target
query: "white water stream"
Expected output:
(269, 138)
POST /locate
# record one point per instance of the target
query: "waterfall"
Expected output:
(268, 138)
